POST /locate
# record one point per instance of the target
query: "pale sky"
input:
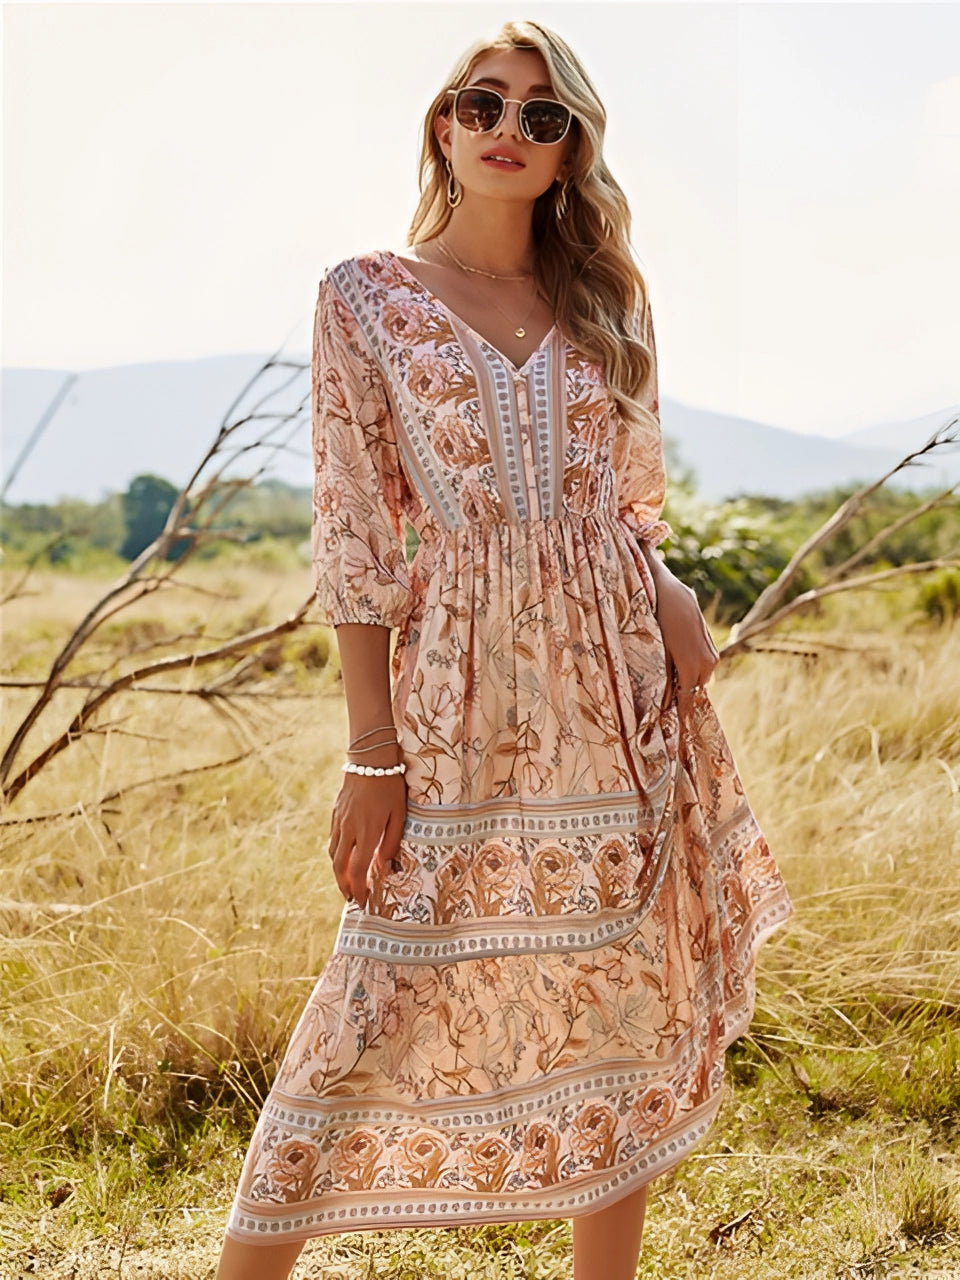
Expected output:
(176, 178)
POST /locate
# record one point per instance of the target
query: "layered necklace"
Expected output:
(520, 330)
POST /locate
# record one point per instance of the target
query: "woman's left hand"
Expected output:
(691, 653)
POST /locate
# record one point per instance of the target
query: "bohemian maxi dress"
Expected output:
(528, 1018)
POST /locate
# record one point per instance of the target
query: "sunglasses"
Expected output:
(480, 110)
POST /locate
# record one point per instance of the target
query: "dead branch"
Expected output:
(742, 641)
(878, 539)
(189, 525)
(95, 806)
(81, 721)
(768, 609)
(180, 691)
(16, 592)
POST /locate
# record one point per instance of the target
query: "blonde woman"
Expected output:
(555, 887)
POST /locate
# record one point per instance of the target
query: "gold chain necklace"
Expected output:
(520, 331)
(478, 270)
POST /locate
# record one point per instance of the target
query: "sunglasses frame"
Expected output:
(521, 103)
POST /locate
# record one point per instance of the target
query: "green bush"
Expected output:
(727, 553)
(940, 596)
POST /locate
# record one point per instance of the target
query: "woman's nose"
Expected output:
(510, 122)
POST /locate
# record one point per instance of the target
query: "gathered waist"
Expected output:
(487, 529)
(547, 549)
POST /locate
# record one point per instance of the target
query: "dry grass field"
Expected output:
(156, 949)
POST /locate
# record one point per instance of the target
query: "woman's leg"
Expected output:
(606, 1244)
(240, 1261)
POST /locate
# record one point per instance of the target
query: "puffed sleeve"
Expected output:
(638, 458)
(359, 561)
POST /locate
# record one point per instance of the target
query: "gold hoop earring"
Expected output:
(561, 205)
(453, 195)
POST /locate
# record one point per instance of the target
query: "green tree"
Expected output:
(147, 502)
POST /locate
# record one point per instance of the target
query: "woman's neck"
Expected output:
(492, 235)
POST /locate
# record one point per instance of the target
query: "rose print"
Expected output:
(487, 1163)
(452, 886)
(538, 1160)
(290, 1167)
(354, 1158)
(616, 870)
(591, 1135)
(758, 862)
(405, 322)
(651, 1113)
(556, 874)
(344, 317)
(450, 442)
(430, 378)
(406, 881)
(496, 874)
(420, 1157)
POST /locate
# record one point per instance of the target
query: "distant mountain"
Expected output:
(116, 423)
(160, 417)
(903, 436)
(732, 456)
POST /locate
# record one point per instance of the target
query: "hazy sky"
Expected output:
(176, 178)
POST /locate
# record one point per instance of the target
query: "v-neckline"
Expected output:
(453, 316)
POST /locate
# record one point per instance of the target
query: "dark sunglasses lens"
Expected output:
(545, 121)
(479, 109)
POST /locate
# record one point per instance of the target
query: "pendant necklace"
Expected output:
(520, 331)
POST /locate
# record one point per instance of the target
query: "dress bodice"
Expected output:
(418, 418)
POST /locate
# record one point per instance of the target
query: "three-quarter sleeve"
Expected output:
(639, 461)
(359, 557)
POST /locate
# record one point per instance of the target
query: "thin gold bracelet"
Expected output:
(360, 750)
(378, 729)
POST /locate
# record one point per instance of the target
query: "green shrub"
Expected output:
(940, 595)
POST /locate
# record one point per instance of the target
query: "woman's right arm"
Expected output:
(363, 588)
(370, 811)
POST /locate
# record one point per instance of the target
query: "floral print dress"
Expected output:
(529, 1016)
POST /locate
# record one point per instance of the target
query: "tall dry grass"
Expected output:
(155, 952)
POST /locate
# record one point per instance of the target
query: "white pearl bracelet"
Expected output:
(377, 770)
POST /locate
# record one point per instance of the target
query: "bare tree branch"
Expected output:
(768, 609)
(189, 525)
(868, 548)
(181, 691)
(15, 592)
(81, 721)
(742, 641)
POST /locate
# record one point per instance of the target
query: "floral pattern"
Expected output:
(529, 1016)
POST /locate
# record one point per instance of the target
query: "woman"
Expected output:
(555, 886)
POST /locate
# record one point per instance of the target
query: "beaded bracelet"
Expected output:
(378, 770)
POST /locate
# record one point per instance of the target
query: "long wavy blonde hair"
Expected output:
(584, 263)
